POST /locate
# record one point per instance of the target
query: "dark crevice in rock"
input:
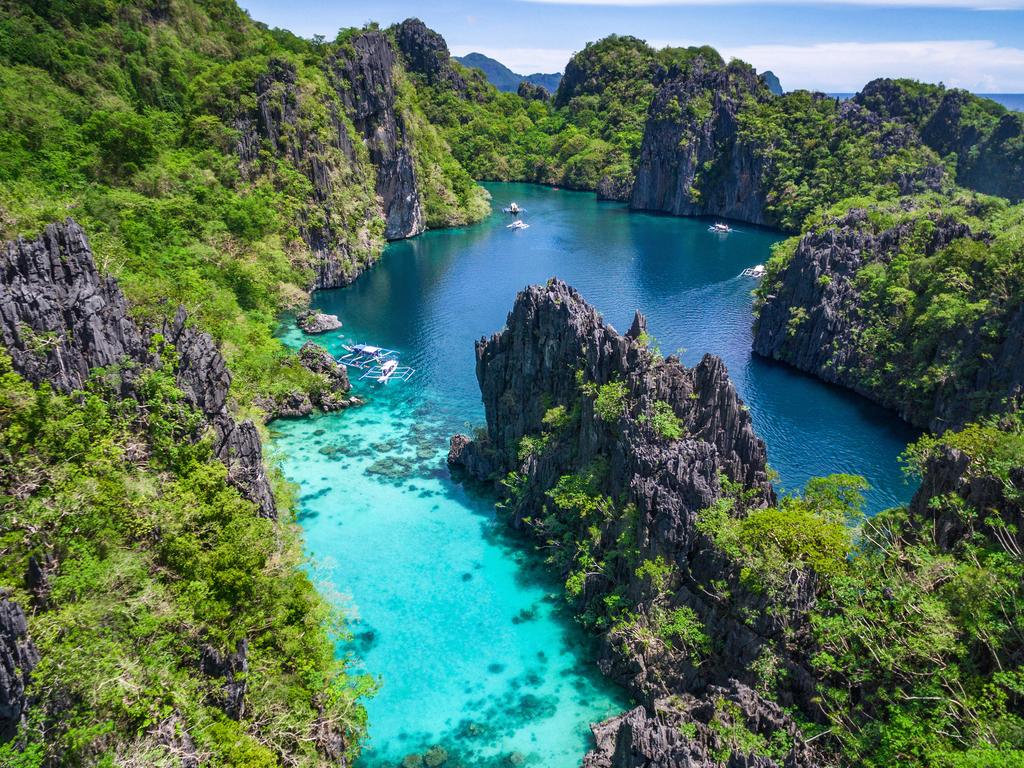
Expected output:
(18, 657)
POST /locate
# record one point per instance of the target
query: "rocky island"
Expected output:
(725, 610)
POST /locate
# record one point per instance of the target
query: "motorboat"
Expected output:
(720, 228)
(517, 224)
(756, 271)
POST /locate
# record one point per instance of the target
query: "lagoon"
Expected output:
(471, 639)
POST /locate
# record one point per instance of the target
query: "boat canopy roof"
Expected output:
(366, 348)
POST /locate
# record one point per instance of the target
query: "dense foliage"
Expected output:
(819, 152)
(927, 317)
(593, 127)
(151, 555)
(978, 137)
(128, 116)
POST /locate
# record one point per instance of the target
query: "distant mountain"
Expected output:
(503, 78)
(772, 81)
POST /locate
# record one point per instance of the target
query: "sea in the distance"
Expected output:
(469, 636)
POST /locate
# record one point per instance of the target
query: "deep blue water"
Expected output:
(469, 637)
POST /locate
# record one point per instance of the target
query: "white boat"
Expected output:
(756, 271)
(720, 228)
(514, 209)
(517, 224)
(387, 371)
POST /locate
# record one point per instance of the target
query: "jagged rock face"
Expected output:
(426, 53)
(820, 284)
(18, 657)
(989, 159)
(203, 376)
(641, 739)
(692, 162)
(552, 332)
(232, 667)
(276, 122)
(555, 349)
(60, 319)
(363, 75)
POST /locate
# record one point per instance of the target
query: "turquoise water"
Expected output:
(468, 636)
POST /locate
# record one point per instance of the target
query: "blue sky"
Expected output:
(830, 46)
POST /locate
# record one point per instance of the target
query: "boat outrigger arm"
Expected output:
(375, 363)
(388, 371)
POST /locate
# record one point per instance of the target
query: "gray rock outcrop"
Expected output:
(542, 379)
(18, 656)
(814, 318)
(60, 320)
(315, 323)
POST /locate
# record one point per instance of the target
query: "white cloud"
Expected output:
(978, 65)
(979, 5)
(523, 61)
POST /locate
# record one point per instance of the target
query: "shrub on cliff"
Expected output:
(146, 555)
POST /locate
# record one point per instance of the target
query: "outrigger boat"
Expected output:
(387, 371)
(514, 209)
(517, 224)
(720, 228)
(375, 363)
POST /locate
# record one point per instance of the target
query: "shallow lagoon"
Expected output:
(471, 640)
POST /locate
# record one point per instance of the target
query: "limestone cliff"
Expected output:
(818, 314)
(362, 72)
(338, 222)
(718, 143)
(692, 161)
(575, 411)
(60, 320)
